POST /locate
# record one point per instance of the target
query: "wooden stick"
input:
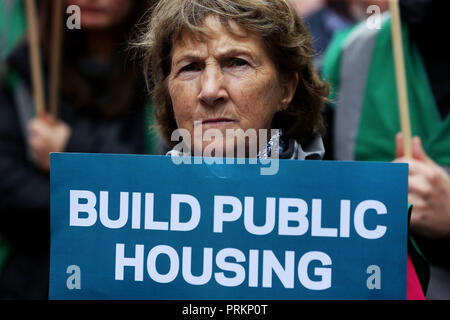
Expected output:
(402, 90)
(35, 58)
(55, 65)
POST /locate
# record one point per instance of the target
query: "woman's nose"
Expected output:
(213, 90)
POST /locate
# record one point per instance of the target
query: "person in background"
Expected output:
(359, 8)
(360, 69)
(332, 22)
(103, 108)
(325, 22)
(336, 16)
(305, 7)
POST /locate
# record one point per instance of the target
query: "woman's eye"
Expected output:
(237, 62)
(190, 67)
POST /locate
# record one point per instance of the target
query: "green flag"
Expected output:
(12, 25)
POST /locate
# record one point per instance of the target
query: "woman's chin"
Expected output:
(225, 150)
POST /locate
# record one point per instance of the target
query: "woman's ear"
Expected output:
(289, 86)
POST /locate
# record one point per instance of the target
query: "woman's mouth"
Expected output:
(216, 122)
(92, 10)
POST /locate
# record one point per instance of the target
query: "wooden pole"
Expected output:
(35, 58)
(55, 64)
(402, 90)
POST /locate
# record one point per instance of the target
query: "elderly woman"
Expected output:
(235, 66)
(238, 65)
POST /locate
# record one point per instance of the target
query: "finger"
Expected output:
(38, 144)
(414, 166)
(402, 160)
(43, 116)
(399, 152)
(43, 130)
(417, 202)
(33, 126)
(419, 186)
(36, 126)
(418, 151)
(417, 167)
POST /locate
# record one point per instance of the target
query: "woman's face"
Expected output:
(225, 82)
(102, 14)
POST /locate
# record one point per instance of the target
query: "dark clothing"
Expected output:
(424, 19)
(322, 25)
(25, 190)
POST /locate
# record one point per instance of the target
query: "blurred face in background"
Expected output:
(306, 7)
(359, 7)
(102, 14)
(383, 4)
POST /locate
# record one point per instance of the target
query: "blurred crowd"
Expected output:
(362, 117)
(105, 107)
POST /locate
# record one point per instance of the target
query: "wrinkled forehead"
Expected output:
(209, 28)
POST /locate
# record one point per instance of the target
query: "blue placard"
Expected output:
(144, 227)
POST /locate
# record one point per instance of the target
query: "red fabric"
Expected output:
(413, 288)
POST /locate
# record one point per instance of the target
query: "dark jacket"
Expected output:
(322, 25)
